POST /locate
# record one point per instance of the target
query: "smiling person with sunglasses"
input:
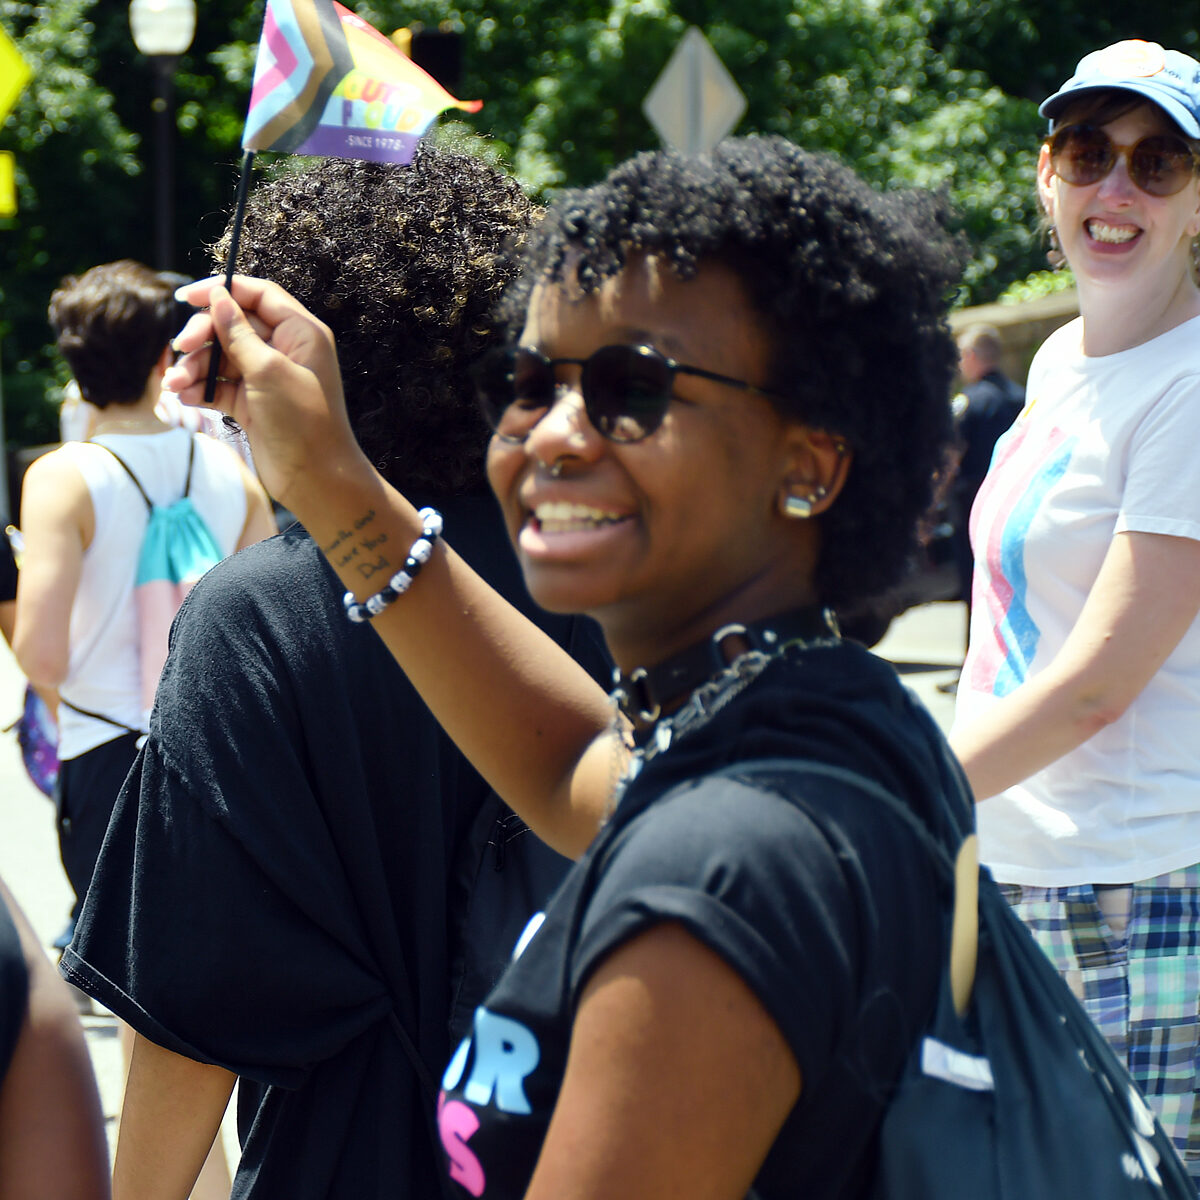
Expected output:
(1080, 695)
(691, 444)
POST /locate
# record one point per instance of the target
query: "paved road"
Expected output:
(30, 865)
(925, 644)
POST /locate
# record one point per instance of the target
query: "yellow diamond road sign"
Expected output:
(694, 102)
(14, 74)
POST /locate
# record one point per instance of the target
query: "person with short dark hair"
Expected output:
(983, 411)
(83, 521)
(690, 444)
(293, 779)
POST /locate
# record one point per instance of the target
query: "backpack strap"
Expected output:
(129, 471)
(942, 861)
(960, 872)
(87, 712)
(187, 482)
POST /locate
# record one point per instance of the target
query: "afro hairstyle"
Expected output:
(405, 264)
(852, 286)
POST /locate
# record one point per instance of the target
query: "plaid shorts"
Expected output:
(1142, 990)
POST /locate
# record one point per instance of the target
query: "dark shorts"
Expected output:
(84, 796)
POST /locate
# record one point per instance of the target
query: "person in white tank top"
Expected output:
(83, 522)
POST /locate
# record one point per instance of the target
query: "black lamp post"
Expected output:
(162, 31)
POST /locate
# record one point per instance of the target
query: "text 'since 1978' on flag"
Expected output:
(327, 83)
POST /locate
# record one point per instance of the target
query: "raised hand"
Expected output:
(278, 379)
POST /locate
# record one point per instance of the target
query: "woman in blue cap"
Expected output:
(1079, 698)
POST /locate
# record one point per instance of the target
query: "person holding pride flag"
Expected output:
(297, 811)
(689, 445)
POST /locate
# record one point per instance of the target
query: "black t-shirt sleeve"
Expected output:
(221, 922)
(750, 876)
(189, 940)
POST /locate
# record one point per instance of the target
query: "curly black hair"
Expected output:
(112, 324)
(853, 285)
(405, 264)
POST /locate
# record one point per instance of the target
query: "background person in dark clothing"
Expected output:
(988, 404)
(986, 407)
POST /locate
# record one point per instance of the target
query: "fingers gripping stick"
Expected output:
(239, 214)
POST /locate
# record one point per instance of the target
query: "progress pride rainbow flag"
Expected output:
(326, 82)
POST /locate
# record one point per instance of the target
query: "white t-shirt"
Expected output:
(104, 675)
(1104, 445)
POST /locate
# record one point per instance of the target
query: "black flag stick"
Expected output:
(239, 213)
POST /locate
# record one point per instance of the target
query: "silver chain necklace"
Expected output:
(701, 706)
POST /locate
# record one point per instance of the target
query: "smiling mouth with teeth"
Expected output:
(1112, 234)
(561, 517)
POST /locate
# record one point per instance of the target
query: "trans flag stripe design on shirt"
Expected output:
(1007, 503)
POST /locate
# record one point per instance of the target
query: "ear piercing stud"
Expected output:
(800, 508)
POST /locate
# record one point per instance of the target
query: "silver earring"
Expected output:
(800, 508)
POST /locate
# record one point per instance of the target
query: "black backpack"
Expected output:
(1018, 1096)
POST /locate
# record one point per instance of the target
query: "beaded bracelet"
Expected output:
(418, 555)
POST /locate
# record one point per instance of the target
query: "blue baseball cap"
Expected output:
(1169, 78)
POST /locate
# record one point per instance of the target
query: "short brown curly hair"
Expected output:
(405, 264)
(112, 324)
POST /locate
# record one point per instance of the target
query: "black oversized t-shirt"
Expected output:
(276, 877)
(842, 940)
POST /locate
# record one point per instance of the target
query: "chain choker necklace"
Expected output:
(709, 675)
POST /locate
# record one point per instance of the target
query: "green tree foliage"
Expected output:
(74, 163)
(861, 79)
(938, 93)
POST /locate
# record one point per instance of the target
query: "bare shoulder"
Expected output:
(54, 484)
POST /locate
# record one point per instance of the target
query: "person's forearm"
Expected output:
(1143, 602)
(1030, 729)
(520, 708)
(51, 1126)
(169, 1119)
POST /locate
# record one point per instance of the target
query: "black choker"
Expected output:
(644, 692)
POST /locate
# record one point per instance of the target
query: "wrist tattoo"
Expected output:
(358, 549)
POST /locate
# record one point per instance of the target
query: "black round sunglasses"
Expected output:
(626, 389)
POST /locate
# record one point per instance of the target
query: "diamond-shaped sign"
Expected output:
(695, 102)
(14, 74)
